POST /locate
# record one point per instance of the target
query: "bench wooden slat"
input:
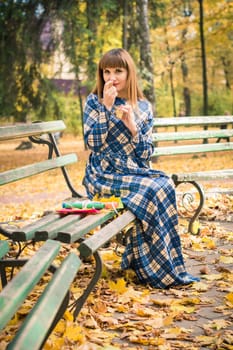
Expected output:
(85, 225)
(15, 292)
(189, 121)
(166, 151)
(28, 232)
(4, 248)
(36, 168)
(25, 130)
(51, 230)
(191, 135)
(34, 329)
(205, 175)
(96, 241)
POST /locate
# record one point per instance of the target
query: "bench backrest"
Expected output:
(33, 129)
(39, 133)
(191, 121)
(215, 127)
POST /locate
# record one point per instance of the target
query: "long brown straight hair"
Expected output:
(122, 59)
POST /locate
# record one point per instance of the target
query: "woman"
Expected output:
(118, 125)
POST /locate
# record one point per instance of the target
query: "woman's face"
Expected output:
(118, 76)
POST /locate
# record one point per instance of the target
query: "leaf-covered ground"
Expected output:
(120, 313)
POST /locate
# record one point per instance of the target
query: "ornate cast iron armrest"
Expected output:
(188, 198)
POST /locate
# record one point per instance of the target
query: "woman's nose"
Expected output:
(112, 77)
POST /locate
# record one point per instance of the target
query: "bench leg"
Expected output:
(3, 275)
(12, 263)
(77, 305)
(189, 197)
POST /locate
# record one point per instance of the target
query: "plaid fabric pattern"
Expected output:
(117, 166)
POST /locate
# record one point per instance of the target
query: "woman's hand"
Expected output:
(127, 116)
(109, 94)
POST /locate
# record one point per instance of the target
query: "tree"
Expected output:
(22, 86)
(146, 62)
(203, 59)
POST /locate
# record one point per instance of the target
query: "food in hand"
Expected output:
(119, 113)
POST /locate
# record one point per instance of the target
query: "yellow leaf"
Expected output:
(110, 347)
(213, 277)
(58, 343)
(154, 322)
(168, 320)
(219, 324)
(68, 316)
(200, 286)
(226, 259)
(110, 255)
(229, 297)
(122, 308)
(147, 341)
(162, 303)
(210, 244)
(24, 310)
(145, 312)
(119, 286)
(99, 306)
(14, 320)
(183, 308)
(60, 327)
(206, 340)
(75, 333)
(197, 247)
(54, 343)
(171, 332)
(105, 272)
(189, 301)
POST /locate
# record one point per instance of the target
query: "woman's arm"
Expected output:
(142, 141)
(96, 120)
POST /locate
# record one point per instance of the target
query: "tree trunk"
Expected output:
(171, 63)
(125, 24)
(203, 58)
(226, 65)
(146, 62)
(92, 8)
(186, 109)
(172, 89)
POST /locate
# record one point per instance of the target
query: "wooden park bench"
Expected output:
(53, 226)
(52, 302)
(179, 136)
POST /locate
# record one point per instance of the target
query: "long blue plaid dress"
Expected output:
(117, 166)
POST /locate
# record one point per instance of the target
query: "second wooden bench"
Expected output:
(177, 136)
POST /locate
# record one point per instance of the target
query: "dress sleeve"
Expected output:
(96, 120)
(142, 142)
